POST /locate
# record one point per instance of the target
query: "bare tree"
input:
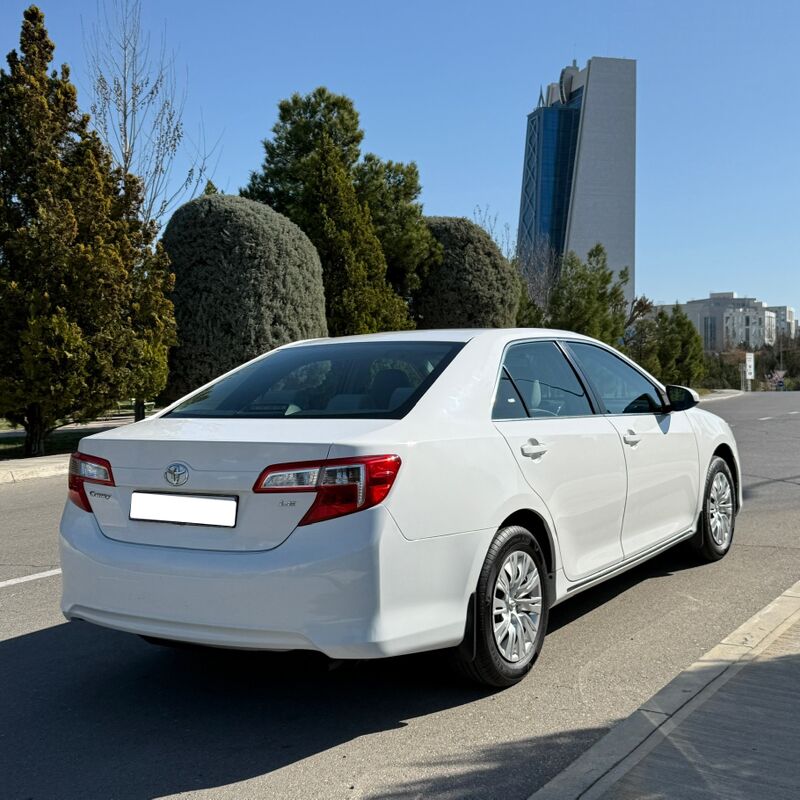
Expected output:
(540, 267)
(137, 107)
(482, 215)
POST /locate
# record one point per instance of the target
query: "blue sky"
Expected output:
(448, 85)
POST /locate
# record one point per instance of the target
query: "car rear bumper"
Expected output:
(353, 587)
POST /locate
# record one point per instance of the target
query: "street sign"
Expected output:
(749, 366)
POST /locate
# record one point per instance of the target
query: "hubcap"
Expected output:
(720, 509)
(517, 607)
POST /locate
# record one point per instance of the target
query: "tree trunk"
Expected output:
(35, 431)
(138, 409)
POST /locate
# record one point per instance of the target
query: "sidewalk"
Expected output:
(13, 470)
(727, 727)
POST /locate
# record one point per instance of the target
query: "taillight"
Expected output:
(85, 469)
(342, 486)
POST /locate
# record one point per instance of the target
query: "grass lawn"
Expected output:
(57, 442)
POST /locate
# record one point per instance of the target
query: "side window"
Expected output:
(544, 380)
(622, 389)
(507, 403)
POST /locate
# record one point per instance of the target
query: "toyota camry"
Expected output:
(377, 495)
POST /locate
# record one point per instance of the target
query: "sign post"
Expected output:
(749, 369)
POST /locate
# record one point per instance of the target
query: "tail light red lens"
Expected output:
(85, 469)
(342, 486)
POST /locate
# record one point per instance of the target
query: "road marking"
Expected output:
(34, 577)
(794, 412)
(761, 419)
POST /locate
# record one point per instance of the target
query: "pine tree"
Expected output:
(85, 318)
(391, 191)
(588, 299)
(358, 298)
(689, 363)
(388, 190)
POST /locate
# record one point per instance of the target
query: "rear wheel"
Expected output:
(715, 530)
(511, 610)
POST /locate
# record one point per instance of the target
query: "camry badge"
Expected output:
(176, 474)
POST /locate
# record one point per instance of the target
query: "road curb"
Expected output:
(629, 741)
(725, 394)
(16, 470)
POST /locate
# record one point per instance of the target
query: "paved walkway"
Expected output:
(728, 728)
(742, 742)
(13, 470)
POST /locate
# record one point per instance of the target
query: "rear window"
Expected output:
(372, 380)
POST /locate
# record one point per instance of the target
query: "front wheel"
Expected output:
(715, 530)
(511, 608)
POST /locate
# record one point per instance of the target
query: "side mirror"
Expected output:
(681, 398)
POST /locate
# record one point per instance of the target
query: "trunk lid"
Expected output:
(223, 459)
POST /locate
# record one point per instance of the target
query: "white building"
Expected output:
(726, 321)
(785, 321)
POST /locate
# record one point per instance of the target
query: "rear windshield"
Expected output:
(372, 380)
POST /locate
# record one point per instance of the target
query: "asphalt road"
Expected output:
(91, 713)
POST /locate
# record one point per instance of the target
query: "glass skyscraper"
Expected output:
(578, 178)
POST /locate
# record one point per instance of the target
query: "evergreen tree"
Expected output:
(247, 280)
(302, 122)
(389, 190)
(587, 299)
(357, 296)
(668, 346)
(473, 286)
(686, 361)
(85, 319)
(641, 344)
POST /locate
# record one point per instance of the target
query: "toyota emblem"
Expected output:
(176, 474)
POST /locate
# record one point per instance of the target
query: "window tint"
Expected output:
(356, 379)
(544, 380)
(622, 389)
(507, 403)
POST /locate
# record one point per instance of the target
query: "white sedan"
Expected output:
(377, 495)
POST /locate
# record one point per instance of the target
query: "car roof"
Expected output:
(450, 335)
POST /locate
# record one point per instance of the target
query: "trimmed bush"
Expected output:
(473, 286)
(247, 279)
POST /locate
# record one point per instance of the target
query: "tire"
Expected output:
(505, 659)
(718, 517)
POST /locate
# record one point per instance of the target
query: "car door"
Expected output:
(571, 457)
(660, 449)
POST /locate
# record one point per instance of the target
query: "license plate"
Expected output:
(185, 509)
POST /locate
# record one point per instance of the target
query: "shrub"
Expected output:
(473, 286)
(247, 280)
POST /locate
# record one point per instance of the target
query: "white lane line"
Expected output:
(761, 419)
(794, 412)
(34, 577)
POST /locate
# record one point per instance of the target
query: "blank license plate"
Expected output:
(189, 509)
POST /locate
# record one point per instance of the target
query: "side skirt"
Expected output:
(625, 565)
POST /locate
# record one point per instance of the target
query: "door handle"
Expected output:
(631, 437)
(533, 449)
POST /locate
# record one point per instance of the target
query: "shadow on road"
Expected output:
(92, 713)
(674, 560)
